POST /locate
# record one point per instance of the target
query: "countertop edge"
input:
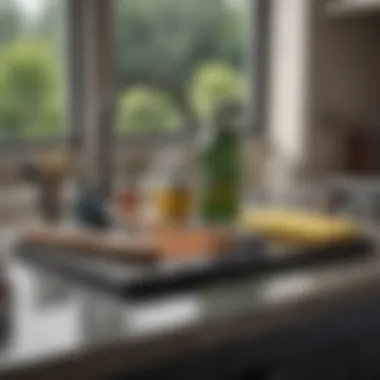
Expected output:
(148, 351)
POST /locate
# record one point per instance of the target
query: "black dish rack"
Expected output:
(136, 282)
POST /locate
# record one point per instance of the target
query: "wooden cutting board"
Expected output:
(81, 241)
(158, 244)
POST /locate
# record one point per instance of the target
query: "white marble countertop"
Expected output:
(62, 331)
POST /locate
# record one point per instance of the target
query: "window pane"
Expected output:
(177, 59)
(32, 97)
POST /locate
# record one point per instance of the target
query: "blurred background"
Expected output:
(172, 63)
(109, 110)
(305, 77)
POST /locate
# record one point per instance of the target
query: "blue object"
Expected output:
(91, 210)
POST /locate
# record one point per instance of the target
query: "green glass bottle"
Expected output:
(220, 168)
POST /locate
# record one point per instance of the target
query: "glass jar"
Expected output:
(128, 202)
(172, 194)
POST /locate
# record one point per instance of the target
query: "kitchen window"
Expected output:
(176, 60)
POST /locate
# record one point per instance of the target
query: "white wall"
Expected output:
(289, 89)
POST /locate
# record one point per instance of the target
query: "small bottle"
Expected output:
(220, 167)
(128, 202)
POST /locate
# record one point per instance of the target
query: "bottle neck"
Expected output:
(225, 133)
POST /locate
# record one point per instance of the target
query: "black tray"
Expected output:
(140, 283)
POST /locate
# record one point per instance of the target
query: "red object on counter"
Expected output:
(127, 201)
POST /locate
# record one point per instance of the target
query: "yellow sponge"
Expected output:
(299, 227)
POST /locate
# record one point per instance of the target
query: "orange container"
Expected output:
(173, 242)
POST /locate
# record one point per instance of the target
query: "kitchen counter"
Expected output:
(60, 331)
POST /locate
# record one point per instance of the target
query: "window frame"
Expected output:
(257, 67)
(73, 48)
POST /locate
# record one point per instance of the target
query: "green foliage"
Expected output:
(12, 119)
(28, 73)
(146, 110)
(163, 42)
(31, 101)
(231, 44)
(163, 54)
(50, 119)
(27, 85)
(11, 22)
(214, 84)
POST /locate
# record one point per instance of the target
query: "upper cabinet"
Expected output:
(352, 7)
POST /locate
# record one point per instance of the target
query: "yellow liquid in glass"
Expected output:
(174, 204)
